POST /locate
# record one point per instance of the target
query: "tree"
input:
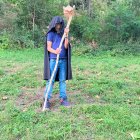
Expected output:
(34, 16)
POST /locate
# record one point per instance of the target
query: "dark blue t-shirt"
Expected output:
(55, 38)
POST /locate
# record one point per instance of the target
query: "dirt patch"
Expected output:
(28, 97)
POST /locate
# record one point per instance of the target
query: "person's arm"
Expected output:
(50, 49)
(66, 42)
(49, 44)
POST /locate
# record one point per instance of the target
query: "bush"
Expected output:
(113, 50)
(120, 25)
(4, 41)
(116, 22)
(32, 21)
(85, 28)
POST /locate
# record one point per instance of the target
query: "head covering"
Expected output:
(54, 21)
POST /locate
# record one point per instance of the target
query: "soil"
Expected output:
(30, 96)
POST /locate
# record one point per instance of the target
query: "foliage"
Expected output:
(105, 22)
(4, 41)
(111, 23)
(121, 25)
(86, 33)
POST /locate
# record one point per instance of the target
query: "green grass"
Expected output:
(104, 89)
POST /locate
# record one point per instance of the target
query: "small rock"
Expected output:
(25, 109)
(97, 96)
(4, 98)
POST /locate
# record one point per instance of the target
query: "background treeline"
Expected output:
(98, 23)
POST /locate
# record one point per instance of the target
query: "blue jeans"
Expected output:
(62, 66)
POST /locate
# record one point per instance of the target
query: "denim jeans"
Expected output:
(62, 66)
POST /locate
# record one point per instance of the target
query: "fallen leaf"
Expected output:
(97, 96)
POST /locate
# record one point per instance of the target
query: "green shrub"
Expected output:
(85, 28)
(121, 25)
(4, 41)
(113, 50)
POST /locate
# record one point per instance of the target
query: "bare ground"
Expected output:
(29, 97)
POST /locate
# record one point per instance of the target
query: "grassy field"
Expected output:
(104, 92)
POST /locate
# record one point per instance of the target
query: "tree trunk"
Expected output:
(83, 5)
(34, 25)
(89, 7)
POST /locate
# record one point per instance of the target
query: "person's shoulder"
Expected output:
(50, 33)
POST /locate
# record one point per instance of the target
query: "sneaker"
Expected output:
(64, 102)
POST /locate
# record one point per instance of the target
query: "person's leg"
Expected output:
(52, 65)
(62, 78)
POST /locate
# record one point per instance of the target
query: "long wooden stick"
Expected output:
(56, 64)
